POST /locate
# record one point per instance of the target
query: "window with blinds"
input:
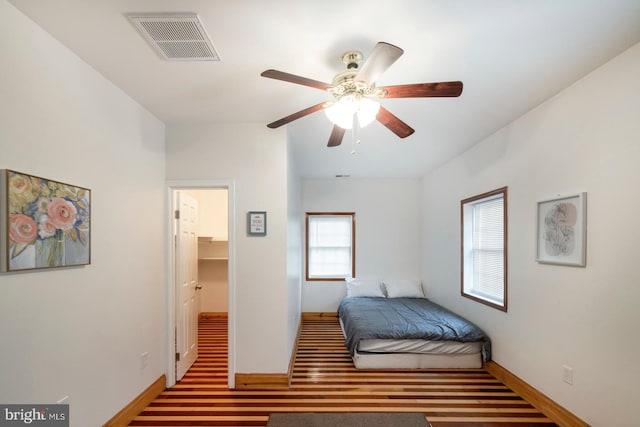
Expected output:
(484, 248)
(330, 253)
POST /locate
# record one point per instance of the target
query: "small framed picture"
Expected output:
(257, 223)
(562, 230)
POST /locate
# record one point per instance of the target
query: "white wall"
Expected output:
(255, 158)
(388, 237)
(213, 212)
(294, 246)
(584, 139)
(80, 331)
(214, 279)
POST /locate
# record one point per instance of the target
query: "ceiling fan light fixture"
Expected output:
(342, 112)
(367, 111)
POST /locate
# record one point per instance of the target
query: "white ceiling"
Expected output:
(510, 54)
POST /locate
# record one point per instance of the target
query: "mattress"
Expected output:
(410, 333)
(418, 346)
(416, 361)
(416, 354)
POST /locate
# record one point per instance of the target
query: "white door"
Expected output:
(186, 284)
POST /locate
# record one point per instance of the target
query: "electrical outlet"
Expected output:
(63, 401)
(144, 360)
(567, 374)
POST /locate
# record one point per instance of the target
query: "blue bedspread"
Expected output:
(405, 318)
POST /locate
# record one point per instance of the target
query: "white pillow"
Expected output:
(402, 288)
(364, 288)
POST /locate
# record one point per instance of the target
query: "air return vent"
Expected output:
(176, 36)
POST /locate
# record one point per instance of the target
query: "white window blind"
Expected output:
(484, 251)
(329, 246)
(488, 250)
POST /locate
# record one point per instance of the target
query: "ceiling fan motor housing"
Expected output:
(352, 58)
(345, 83)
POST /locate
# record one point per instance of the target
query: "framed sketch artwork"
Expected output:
(43, 223)
(561, 230)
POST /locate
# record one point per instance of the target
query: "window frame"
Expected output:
(353, 246)
(474, 200)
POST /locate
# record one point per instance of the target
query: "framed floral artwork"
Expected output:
(43, 223)
(562, 230)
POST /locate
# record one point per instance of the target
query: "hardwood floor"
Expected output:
(324, 380)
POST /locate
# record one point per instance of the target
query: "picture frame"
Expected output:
(43, 223)
(257, 223)
(562, 230)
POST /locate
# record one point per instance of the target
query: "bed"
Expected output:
(398, 328)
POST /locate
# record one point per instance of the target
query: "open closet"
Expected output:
(213, 251)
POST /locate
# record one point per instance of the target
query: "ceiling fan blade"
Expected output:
(393, 123)
(295, 116)
(424, 90)
(380, 59)
(291, 78)
(336, 136)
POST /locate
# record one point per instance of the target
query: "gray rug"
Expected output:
(348, 420)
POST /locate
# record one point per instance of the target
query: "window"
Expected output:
(484, 248)
(331, 246)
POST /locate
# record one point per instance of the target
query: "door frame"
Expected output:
(173, 186)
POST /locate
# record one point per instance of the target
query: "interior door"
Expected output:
(186, 283)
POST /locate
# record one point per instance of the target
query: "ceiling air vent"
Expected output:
(176, 36)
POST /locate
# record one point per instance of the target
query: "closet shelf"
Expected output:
(213, 259)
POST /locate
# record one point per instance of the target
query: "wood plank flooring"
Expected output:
(324, 380)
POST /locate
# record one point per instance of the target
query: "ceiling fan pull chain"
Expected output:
(355, 133)
(353, 140)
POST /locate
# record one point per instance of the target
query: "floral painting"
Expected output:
(47, 223)
(562, 230)
(559, 231)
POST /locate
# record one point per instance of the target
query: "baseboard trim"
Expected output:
(212, 315)
(318, 315)
(544, 404)
(137, 405)
(261, 381)
(294, 351)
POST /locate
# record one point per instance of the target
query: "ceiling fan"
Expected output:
(355, 92)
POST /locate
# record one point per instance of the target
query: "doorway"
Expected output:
(216, 247)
